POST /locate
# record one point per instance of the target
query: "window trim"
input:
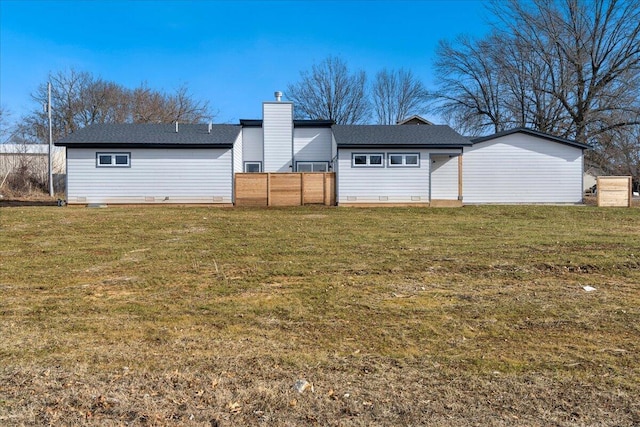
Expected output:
(311, 162)
(245, 164)
(404, 160)
(368, 161)
(113, 156)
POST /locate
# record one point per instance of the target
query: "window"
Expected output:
(404, 160)
(253, 167)
(367, 160)
(312, 166)
(113, 160)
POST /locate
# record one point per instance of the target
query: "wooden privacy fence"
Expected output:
(614, 191)
(285, 189)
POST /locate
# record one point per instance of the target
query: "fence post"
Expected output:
(268, 188)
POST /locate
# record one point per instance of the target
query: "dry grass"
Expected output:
(196, 316)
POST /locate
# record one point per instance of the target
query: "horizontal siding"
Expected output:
(252, 145)
(237, 154)
(155, 176)
(521, 168)
(311, 144)
(277, 126)
(382, 185)
(444, 177)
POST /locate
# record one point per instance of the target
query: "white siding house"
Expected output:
(523, 166)
(379, 164)
(150, 163)
(422, 164)
(154, 176)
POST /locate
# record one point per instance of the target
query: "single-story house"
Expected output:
(373, 164)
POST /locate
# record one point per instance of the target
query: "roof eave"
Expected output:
(533, 133)
(125, 145)
(369, 146)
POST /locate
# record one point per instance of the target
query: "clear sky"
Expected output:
(234, 54)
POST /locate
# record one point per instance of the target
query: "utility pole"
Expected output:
(50, 141)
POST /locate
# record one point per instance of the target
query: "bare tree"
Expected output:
(79, 99)
(331, 92)
(567, 67)
(471, 91)
(5, 130)
(150, 106)
(591, 52)
(397, 94)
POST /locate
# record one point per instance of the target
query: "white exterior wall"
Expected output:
(252, 145)
(277, 128)
(444, 177)
(520, 168)
(312, 144)
(382, 185)
(237, 154)
(155, 176)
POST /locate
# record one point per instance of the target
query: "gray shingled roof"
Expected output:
(398, 136)
(152, 135)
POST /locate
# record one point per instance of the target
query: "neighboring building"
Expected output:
(414, 120)
(374, 164)
(33, 158)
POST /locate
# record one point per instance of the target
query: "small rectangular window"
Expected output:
(122, 160)
(411, 159)
(367, 160)
(312, 166)
(253, 167)
(110, 160)
(104, 160)
(359, 159)
(395, 159)
(404, 160)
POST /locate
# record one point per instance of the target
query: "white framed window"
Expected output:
(312, 166)
(253, 167)
(113, 160)
(367, 160)
(407, 160)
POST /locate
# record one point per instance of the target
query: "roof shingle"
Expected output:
(398, 136)
(151, 135)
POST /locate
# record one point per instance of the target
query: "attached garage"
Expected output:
(523, 166)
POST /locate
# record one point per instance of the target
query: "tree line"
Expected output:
(569, 68)
(80, 99)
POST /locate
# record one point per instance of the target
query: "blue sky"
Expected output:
(234, 54)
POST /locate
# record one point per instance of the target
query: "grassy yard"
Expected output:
(208, 317)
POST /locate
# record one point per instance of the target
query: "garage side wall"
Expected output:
(154, 176)
(520, 168)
